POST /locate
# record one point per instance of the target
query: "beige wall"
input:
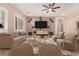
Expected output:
(70, 23)
(50, 24)
(11, 12)
(53, 26)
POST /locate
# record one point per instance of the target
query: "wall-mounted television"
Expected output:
(40, 24)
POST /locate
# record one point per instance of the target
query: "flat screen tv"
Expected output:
(41, 24)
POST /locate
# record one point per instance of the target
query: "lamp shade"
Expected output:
(1, 26)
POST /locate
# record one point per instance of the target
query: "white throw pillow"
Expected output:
(51, 41)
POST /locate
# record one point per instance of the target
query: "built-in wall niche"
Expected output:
(50, 34)
(30, 33)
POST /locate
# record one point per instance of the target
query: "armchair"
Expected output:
(6, 41)
(70, 42)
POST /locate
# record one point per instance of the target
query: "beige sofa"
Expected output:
(18, 37)
(70, 42)
(6, 41)
(9, 39)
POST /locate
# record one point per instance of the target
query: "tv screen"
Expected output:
(40, 24)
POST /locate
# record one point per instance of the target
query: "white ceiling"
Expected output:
(34, 9)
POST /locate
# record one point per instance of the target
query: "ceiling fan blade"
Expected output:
(44, 9)
(56, 7)
(53, 10)
(45, 6)
(53, 4)
(47, 11)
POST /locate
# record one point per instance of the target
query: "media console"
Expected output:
(42, 33)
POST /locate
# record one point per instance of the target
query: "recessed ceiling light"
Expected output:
(63, 14)
(28, 12)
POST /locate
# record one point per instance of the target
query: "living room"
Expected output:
(39, 29)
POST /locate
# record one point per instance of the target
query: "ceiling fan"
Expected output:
(50, 7)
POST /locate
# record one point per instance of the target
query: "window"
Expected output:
(18, 21)
(4, 19)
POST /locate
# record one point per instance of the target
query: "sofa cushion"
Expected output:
(19, 39)
(4, 34)
(16, 34)
(69, 37)
(22, 33)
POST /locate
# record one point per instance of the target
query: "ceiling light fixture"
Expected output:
(50, 7)
(63, 14)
